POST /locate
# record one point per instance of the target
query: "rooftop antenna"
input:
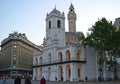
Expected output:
(55, 7)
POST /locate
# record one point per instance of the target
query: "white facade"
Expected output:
(72, 63)
(60, 62)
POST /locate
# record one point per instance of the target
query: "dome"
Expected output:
(55, 11)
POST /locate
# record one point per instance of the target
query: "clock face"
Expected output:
(71, 11)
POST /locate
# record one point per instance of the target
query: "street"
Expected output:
(11, 81)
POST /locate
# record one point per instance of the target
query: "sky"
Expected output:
(28, 16)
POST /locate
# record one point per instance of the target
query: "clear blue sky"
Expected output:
(28, 16)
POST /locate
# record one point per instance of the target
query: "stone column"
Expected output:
(74, 72)
(64, 72)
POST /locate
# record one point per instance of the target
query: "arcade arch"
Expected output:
(41, 60)
(68, 55)
(49, 73)
(79, 71)
(36, 60)
(60, 73)
(40, 74)
(68, 72)
(60, 57)
(50, 58)
(78, 55)
(36, 73)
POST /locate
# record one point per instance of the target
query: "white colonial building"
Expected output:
(63, 57)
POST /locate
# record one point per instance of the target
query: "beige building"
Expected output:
(0, 58)
(17, 54)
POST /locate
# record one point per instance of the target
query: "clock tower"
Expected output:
(72, 19)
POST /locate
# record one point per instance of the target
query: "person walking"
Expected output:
(4, 81)
(43, 81)
(17, 80)
(27, 80)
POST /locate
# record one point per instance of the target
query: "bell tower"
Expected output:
(72, 19)
(55, 29)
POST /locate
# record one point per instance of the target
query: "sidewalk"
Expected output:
(11, 81)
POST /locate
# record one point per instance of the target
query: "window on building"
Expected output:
(14, 62)
(14, 58)
(14, 72)
(15, 46)
(49, 24)
(36, 61)
(15, 42)
(60, 57)
(68, 55)
(58, 24)
(78, 55)
(79, 71)
(50, 58)
(100, 58)
(15, 52)
(41, 60)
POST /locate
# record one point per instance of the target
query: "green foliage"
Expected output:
(100, 35)
(115, 40)
(111, 64)
(106, 37)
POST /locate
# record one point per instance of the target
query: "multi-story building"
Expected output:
(117, 22)
(17, 54)
(64, 58)
(0, 64)
(0, 59)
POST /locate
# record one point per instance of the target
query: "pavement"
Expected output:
(11, 81)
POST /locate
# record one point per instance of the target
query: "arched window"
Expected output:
(78, 55)
(60, 56)
(58, 24)
(40, 72)
(36, 61)
(49, 24)
(50, 58)
(68, 55)
(100, 58)
(41, 60)
(79, 71)
(60, 73)
(68, 72)
(36, 73)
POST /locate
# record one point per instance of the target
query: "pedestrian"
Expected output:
(17, 80)
(43, 81)
(35, 78)
(86, 78)
(56, 78)
(4, 81)
(27, 80)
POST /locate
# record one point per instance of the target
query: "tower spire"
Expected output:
(71, 6)
(72, 19)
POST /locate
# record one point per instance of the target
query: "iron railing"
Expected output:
(51, 62)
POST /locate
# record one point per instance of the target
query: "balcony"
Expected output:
(56, 62)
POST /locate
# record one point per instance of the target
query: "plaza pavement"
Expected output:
(11, 81)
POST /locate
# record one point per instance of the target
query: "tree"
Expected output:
(100, 35)
(104, 36)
